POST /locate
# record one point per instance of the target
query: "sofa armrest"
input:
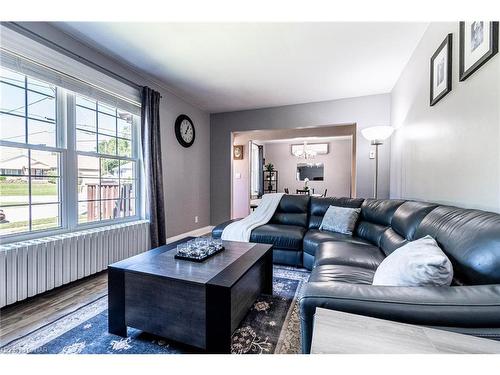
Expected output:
(217, 231)
(456, 306)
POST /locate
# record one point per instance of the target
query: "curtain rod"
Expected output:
(32, 35)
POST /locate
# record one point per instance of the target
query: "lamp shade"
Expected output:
(377, 133)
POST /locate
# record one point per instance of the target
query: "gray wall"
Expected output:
(448, 153)
(364, 111)
(186, 171)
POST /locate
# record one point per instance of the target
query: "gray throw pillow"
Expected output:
(418, 263)
(340, 219)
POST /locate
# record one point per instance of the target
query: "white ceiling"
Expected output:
(233, 66)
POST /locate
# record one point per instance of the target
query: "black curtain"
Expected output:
(151, 154)
(261, 170)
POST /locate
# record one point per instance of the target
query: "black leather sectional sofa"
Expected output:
(342, 266)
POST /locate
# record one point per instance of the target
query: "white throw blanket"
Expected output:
(241, 230)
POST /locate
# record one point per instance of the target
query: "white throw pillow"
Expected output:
(340, 219)
(418, 263)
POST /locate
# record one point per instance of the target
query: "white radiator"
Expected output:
(35, 266)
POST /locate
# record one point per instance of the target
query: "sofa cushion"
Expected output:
(314, 237)
(408, 216)
(341, 273)
(376, 217)
(292, 210)
(285, 237)
(390, 241)
(348, 254)
(319, 206)
(470, 239)
(404, 224)
(379, 211)
(370, 232)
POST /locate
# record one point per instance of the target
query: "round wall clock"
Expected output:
(184, 131)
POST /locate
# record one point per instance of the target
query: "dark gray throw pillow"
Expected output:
(340, 219)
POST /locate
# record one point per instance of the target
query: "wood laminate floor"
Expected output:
(26, 316)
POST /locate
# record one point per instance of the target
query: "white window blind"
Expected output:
(34, 59)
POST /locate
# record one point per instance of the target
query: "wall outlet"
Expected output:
(372, 154)
(196, 219)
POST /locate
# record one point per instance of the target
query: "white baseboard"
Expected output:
(193, 233)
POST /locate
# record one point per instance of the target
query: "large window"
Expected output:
(107, 176)
(30, 179)
(66, 160)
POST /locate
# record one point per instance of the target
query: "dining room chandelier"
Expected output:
(305, 152)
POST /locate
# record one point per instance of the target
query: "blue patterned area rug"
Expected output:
(271, 326)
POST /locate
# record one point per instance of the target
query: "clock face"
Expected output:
(184, 131)
(187, 131)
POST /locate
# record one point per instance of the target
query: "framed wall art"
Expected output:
(478, 44)
(238, 152)
(441, 70)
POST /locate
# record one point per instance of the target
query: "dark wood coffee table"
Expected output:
(199, 304)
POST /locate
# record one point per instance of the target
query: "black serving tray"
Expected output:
(198, 260)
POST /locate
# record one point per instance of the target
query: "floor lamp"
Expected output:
(377, 135)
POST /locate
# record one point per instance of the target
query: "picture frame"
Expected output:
(441, 70)
(478, 44)
(238, 152)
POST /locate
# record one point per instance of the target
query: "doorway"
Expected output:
(335, 160)
(256, 170)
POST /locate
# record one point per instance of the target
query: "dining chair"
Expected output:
(324, 194)
(286, 191)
